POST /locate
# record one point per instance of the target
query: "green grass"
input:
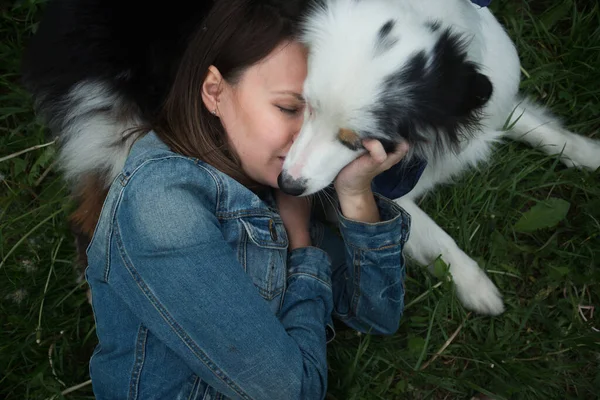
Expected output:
(545, 346)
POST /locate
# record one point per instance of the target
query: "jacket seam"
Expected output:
(140, 357)
(382, 248)
(218, 185)
(356, 295)
(324, 282)
(113, 217)
(193, 161)
(179, 331)
(195, 388)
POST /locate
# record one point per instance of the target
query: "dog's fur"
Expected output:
(95, 69)
(440, 74)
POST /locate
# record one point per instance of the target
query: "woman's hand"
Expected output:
(295, 213)
(353, 183)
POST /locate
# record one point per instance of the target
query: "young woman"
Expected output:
(209, 283)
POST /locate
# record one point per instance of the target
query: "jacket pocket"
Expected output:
(264, 247)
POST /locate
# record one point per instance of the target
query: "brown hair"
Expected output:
(234, 35)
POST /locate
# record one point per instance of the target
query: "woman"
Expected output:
(207, 282)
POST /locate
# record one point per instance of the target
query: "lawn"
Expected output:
(545, 346)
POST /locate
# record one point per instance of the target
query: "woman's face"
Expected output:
(263, 111)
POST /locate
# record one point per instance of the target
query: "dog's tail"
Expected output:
(536, 125)
(94, 126)
(95, 69)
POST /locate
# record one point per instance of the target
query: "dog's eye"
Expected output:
(309, 110)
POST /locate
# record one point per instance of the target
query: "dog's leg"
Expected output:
(536, 126)
(427, 241)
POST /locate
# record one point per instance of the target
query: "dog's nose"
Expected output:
(289, 185)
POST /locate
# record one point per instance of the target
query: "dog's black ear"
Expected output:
(462, 89)
(436, 97)
(477, 92)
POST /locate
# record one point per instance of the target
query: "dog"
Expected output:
(439, 74)
(442, 75)
(95, 69)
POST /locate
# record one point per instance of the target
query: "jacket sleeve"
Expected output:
(368, 268)
(183, 280)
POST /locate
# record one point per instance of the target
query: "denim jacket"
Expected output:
(196, 295)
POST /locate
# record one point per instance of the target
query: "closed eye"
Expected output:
(290, 111)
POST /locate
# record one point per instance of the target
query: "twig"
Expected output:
(554, 353)
(424, 294)
(76, 387)
(38, 331)
(72, 389)
(18, 153)
(50, 349)
(590, 308)
(450, 339)
(491, 271)
(43, 176)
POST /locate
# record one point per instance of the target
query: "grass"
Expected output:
(545, 346)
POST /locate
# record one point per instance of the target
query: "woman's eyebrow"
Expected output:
(291, 92)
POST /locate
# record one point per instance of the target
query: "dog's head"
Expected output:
(377, 72)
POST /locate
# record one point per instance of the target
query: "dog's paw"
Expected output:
(474, 288)
(581, 152)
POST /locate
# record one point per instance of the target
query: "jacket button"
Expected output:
(272, 230)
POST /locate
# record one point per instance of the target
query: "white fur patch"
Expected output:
(93, 135)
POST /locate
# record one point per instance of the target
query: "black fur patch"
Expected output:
(434, 26)
(384, 40)
(132, 47)
(386, 29)
(433, 100)
(388, 145)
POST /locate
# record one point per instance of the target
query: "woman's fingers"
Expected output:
(380, 158)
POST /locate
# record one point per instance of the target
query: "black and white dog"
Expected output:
(442, 75)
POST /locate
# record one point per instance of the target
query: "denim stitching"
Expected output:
(386, 247)
(268, 293)
(217, 184)
(404, 232)
(195, 162)
(122, 191)
(193, 346)
(310, 276)
(110, 234)
(249, 212)
(356, 297)
(126, 178)
(140, 356)
(243, 250)
(195, 388)
(206, 390)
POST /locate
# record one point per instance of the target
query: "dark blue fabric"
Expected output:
(482, 3)
(400, 179)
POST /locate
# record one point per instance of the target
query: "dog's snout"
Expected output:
(289, 185)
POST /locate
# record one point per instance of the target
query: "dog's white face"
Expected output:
(378, 72)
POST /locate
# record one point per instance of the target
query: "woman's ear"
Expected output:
(211, 89)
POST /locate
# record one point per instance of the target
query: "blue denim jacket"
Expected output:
(196, 296)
